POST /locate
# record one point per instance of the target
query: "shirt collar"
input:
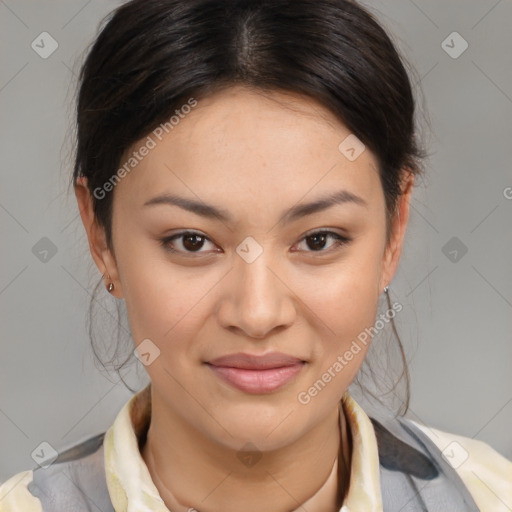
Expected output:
(131, 488)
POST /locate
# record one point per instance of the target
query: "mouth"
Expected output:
(257, 374)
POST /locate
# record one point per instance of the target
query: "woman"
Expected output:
(244, 172)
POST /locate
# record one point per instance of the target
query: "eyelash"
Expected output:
(340, 241)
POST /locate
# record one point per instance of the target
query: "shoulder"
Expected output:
(74, 480)
(15, 496)
(434, 470)
(486, 473)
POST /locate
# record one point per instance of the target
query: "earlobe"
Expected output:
(96, 237)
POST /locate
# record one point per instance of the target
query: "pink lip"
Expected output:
(257, 374)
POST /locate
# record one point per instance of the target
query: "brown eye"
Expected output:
(193, 242)
(318, 240)
(190, 242)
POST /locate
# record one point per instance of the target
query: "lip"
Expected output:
(257, 374)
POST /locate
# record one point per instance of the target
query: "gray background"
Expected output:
(456, 321)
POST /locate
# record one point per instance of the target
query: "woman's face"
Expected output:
(256, 279)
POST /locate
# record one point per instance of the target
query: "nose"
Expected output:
(257, 300)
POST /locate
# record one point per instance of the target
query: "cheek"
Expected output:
(153, 298)
(347, 304)
(164, 303)
(345, 296)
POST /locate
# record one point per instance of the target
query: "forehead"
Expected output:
(239, 144)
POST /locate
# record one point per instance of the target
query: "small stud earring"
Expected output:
(386, 289)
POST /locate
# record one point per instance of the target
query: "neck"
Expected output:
(190, 470)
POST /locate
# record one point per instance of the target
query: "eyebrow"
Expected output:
(292, 214)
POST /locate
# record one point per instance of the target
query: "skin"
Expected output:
(254, 156)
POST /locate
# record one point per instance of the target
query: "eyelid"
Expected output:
(323, 230)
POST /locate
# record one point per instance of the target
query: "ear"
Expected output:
(399, 222)
(103, 257)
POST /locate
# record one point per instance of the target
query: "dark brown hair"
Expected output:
(151, 56)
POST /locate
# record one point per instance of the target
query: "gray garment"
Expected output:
(76, 481)
(414, 476)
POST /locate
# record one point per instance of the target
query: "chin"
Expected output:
(269, 426)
